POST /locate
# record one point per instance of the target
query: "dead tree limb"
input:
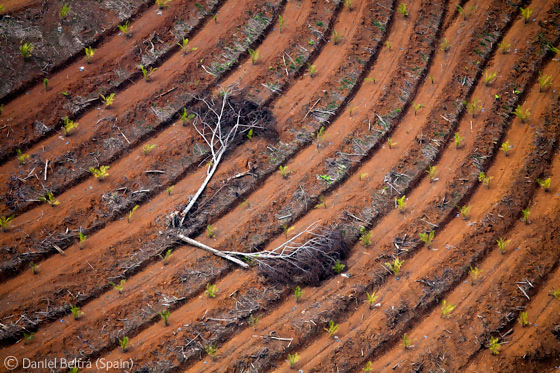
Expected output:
(202, 246)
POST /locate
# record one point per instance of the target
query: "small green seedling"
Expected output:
(161, 4)
(522, 114)
(369, 367)
(124, 344)
(402, 9)
(370, 79)
(108, 100)
(489, 77)
(253, 321)
(211, 231)
(147, 74)
(284, 171)
(466, 12)
(131, 212)
(312, 70)
(64, 11)
(250, 134)
(391, 143)
(388, 44)
(185, 118)
(417, 107)
(148, 148)
(348, 4)
(506, 147)
(365, 236)
(170, 189)
(504, 47)
(406, 341)
(34, 268)
(523, 318)
(485, 179)
(26, 50)
(431, 78)
(427, 238)
(338, 267)
(293, 359)
(326, 178)
(28, 337)
(125, 29)
(332, 329)
(395, 265)
(165, 316)
(76, 312)
(5, 222)
(473, 107)
(526, 13)
(287, 229)
(83, 239)
(184, 46)
(211, 290)
(401, 203)
(555, 294)
(118, 287)
(363, 176)
(69, 126)
(166, 256)
(545, 81)
(494, 346)
(336, 37)
(255, 55)
(89, 53)
(464, 211)
(371, 298)
(474, 273)
(100, 173)
(445, 45)
(432, 172)
(298, 292)
(502, 244)
(211, 350)
(49, 198)
(46, 84)
(545, 183)
(322, 203)
(526, 214)
(446, 308)
(1, 108)
(280, 22)
(22, 157)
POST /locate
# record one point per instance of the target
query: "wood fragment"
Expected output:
(218, 253)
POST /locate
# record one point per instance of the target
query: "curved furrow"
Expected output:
(16, 259)
(38, 114)
(140, 110)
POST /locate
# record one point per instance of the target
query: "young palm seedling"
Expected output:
(401, 203)
(494, 345)
(165, 258)
(211, 231)
(124, 344)
(125, 29)
(474, 273)
(26, 50)
(336, 37)
(161, 4)
(69, 126)
(506, 147)
(427, 238)
(211, 290)
(545, 183)
(287, 229)
(504, 47)
(371, 298)
(284, 171)
(76, 312)
(369, 367)
(147, 74)
(64, 11)
(118, 287)
(211, 350)
(49, 198)
(526, 13)
(5, 222)
(432, 171)
(22, 157)
(464, 211)
(280, 23)
(322, 203)
(390, 143)
(526, 214)
(298, 292)
(100, 173)
(83, 239)
(402, 9)
(108, 100)
(489, 77)
(34, 268)
(165, 316)
(28, 337)
(255, 55)
(338, 267)
(89, 54)
(131, 212)
(388, 44)
(293, 359)
(446, 308)
(332, 329)
(148, 148)
(545, 81)
(365, 236)
(363, 176)
(523, 318)
(253, 321)
(555, 294)
(406, 341)
(395, 265)
(522, 114)
(417, 107)
(473, 107)
(348, 4)
(250, 134)
(485, 179)
(312, 70)
(445, 45)
(170, 189)
(46, 84)
(466, 12)
(502, 244)
(186, 118)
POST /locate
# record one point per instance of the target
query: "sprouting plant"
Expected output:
(432, 172)
(431, 78)
(100, 173)
(69, 126)
(504, 47)
(489, 77)
(166, 256)
(485, 179)
(108, 100)
(46, 84)
(312, 70)
(22, 157)
(427, 238)
(211, 231)
(464, 211)
(165, 316)
(365, 236)
(83, 239)
(28, 337)
(445, 45)
(363, 176)
(118, 287)
(211, 290)
(395, 265)
(369, 367)
(348, 4)
(502, 244)
(322, 203)
(298, 292)
(280, 22)
(523, 318)
(76, 311)
(473, 107)
(371, 298)
(494, 346)
(505, 147)
(125, 29)
(391, 143)
(370, 79)
(555, 294)
(287, 229)
(64, 11)
(417, 107)
(474, 273)
(284, 171)
(148, 148)
(332, 329)
(466, 12)
(170, 189)
(49, 198)
(407, 343)
(526, 13)
(320, 134)
(338, 267)
(293, 359)
(5, 221)
(147, 74)
(401, 203)
(388, 44)
(526, 214)
(522, 114)
(34, 268)
(402, 9)
(255, 55)
(26, 50)
(545, 183)
(336, 37)
(326, 178)
(89, 53)
(131, 212)
(124, 344)
(446, 308)
(250, 134)
(545, 81)
(1, 108)
(185, 118)
(162, 3)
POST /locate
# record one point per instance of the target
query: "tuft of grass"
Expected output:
(555, 294)
(211, 350)
(369, 367)
(82, 237)
(165, 258)
(466, 12)
(389, 45)
(284, 171)
(506, 147)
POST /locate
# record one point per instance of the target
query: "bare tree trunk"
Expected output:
(202, 246)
